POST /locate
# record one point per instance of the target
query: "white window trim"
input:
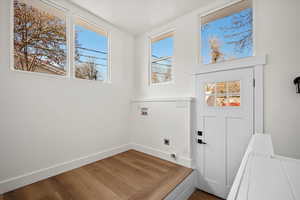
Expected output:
(256, 62)
(72, 47)
(215, 9)
(11, 48)
(70, 24)
(150, 38)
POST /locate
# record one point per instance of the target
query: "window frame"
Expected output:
(69, 15)
(216, 9)
(53, 6)
(108, 35)
(150, 38)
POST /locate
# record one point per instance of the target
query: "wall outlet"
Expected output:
(173, 155)
(144, 111)
(166, 142)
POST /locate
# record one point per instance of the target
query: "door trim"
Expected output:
(257, 63)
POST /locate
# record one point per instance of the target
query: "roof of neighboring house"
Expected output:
(50, 68)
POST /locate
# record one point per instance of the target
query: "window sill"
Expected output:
(162, 99)
(229, 65)
(161, 84)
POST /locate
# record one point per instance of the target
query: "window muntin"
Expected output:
(227, 33)
(223, 94)
(40, 42)
(161, 58)
(91, 52)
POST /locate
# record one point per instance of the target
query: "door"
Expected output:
(224, 127)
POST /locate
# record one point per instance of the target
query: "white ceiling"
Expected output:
(138, 16)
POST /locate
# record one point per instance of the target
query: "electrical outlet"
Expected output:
(166, 142)
(144, 111)
(173, 155)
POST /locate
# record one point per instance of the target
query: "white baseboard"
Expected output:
(185, 189)
(187, 162)
(26, 179)
(32, 177)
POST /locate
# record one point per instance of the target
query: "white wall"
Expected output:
(276, 33)
(166, 119)
(185, 57)
(46, 121)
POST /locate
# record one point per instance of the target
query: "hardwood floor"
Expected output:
(131, 175)
(199, 195)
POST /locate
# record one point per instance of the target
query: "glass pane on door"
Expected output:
(223, 94)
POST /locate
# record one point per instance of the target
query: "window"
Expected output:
(223, 94)
(161, 58)
(91, 52)
(227, 33)
(39, 38)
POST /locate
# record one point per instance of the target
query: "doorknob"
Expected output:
(200, 141)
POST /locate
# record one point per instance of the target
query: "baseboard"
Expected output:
(26, 179)
(185, 189)
(187, 162)
(32, 177)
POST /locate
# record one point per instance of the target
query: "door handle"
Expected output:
(200, 141)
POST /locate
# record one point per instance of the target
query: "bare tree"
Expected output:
(87, 70)
(168, 75)
(216, 54)
(236, 32)
(39, 38)
(240, 30)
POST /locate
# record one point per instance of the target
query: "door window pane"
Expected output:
(234, 101)
(210, 88)
(233, 86)
(223, 94)
(221, 101)
(210, 100)
(221, 87)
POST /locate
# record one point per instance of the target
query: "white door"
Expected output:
(224, 127)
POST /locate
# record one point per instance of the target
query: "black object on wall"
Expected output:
(297, 83)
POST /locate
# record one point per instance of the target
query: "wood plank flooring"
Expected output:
(199, 195)
(131, 175)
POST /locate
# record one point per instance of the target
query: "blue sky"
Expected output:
(163, 48)
(214, 30)
(92, 40)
